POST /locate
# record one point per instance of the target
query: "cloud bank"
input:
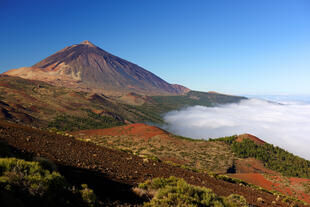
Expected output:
(285, 125)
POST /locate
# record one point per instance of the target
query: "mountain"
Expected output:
(87, 67)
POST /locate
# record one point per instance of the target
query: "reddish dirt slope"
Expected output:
(296, 187)
(116, 166)
(139, 130)
(250, 137)
(256, 179)
(252, 165)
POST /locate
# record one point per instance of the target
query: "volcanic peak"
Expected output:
(86, 42)
(87, 67)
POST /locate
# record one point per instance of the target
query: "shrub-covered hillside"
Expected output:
(273, 157)
(91, 121)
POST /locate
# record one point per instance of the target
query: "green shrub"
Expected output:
(24, 183)
(235, 200)
(88, 195)
(174, 191)
(16, 174)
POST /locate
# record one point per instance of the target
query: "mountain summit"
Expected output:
(86, 42)
(87, 67)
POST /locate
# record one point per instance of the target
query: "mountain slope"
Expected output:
(39, 103)
(113, 173)
(155, 143)
(87, 67)
(220, 156)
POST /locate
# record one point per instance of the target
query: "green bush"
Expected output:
(16, 174)
(174, 191)
(24, 183)
(88, 195)
(235, 200)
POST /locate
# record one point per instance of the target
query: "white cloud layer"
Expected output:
(285, 125)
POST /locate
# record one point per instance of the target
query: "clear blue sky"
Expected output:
(232, 46)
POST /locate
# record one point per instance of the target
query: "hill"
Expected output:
(244, 156)
(117, 172)
(286, 173)
(87, 67)
(273, 157)
(155, 143)
(256, 140)
(41, 104)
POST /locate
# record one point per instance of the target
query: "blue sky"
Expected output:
(230, 46)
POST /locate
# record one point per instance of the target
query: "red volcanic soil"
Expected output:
(299, 182)
(254, 178)
(289, 186)
(252, 165)
(113, 173)
(139, 130)
(250, 137)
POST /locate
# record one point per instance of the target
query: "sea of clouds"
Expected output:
(283, 123)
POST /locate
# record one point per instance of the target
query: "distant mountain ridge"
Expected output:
(87, 67)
